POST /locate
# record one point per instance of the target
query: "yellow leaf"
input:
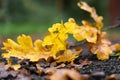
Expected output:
(91, 32)
(71, 26)
(56, 39)
(69, 55)
(25, 49)
(16, 67)
(36, 56)
(57, 46)
(9, 63)
(49, 39)
(38, 47)
(85, 32)
(56, 28)
(80, 33)
(25, 42)
(10, 44)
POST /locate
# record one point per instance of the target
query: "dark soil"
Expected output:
(97, 70)
(111, 66)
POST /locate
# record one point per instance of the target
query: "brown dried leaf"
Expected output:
(61, 66)
(85, 62)
(50, 71)
(102, 47)
(40, 70)
(65, 74)
(113, 77)
(3, 67)
(5, 71)
(23, 74)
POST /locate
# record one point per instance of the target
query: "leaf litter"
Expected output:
(52, 58)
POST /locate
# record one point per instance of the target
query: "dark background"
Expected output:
(35, 16)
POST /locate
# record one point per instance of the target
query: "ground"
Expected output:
(87, 66)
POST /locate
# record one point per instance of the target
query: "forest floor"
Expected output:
(85, 67)
(88, 67)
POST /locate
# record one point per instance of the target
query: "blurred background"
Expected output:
(33, 17)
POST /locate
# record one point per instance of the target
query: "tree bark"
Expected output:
(114, 12)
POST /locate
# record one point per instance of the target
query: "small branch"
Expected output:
(113, 27)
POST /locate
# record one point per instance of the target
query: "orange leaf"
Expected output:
(65, 74)
(101, 47)
(116, 47)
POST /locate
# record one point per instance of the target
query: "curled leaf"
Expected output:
(71, 25)
(86, 32)
(56, 39)
(91, 32)
(92, 11)
(80, 34)
(101, 47)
